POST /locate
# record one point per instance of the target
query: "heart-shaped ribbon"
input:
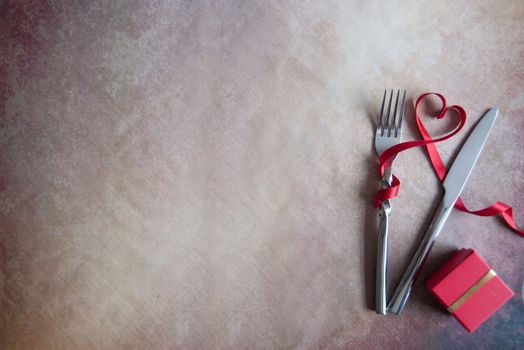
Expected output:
(386, 158)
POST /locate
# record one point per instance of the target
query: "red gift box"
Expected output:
(469, 288)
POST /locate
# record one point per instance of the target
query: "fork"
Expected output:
(387, 134)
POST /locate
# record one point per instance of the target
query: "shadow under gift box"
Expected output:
(469, 288)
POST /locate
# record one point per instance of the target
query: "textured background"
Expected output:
(189, 174)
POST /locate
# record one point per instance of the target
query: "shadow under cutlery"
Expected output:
(370, 229)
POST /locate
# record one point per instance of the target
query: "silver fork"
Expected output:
(387, 134)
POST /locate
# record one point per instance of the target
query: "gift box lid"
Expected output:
(457, 275)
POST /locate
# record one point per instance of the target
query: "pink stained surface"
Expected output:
(200, 175)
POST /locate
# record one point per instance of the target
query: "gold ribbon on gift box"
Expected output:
(474, 288)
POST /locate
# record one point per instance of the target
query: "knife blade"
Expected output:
(453, 184)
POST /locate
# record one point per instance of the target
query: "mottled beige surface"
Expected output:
(182, 174)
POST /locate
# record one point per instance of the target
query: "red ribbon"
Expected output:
(388, 155)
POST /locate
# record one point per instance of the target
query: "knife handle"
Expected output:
(403, 291)
(382, 259)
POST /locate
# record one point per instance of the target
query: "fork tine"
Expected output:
(402, 108)
(385, 128)
(392, 126)
(379, 121)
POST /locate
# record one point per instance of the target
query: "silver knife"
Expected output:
(453, 184)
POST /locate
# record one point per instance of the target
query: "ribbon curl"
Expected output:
(386, 158)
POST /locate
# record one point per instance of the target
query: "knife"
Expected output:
(453, 184)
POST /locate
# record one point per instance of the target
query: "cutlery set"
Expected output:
(388, 133)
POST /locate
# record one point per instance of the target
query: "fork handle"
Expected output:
(382, 259)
